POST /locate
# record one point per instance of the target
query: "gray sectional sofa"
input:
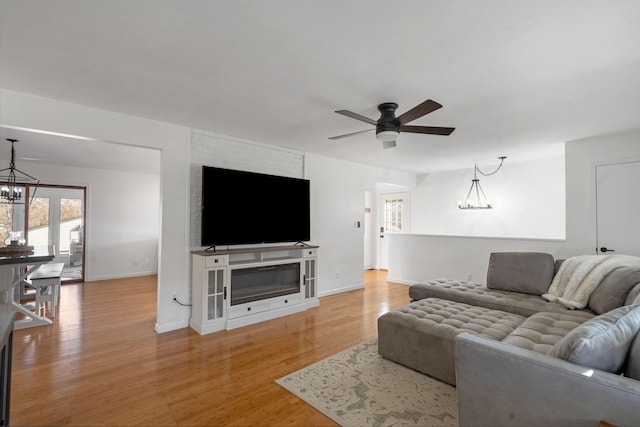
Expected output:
(544, 342)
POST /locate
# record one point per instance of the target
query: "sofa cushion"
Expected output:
(613, 289)
(421, 334)
(478, 294)
(632, 367)
(634, 296)
(527, 272)
(541, 331)
(602, 342)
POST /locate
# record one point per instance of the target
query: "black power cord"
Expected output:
(182, 304)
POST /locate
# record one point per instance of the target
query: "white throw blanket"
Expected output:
(578, 277)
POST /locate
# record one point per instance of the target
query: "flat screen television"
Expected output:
(241, 207)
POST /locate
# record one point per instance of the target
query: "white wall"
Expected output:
(337, 202)
(416, 258)
(122, 217)
(223, 151)
(369, 231)
(582, 156)
(337, 198)
(336, 194)
(528, 198)
(33, 112)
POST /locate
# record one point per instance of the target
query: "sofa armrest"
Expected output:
(500, 384)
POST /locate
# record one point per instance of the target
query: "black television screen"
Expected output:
(245, 207)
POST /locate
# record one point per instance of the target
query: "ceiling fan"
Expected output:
(388, 126)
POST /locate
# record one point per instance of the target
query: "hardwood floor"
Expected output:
(101, 362)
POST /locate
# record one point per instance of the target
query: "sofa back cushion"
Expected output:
(602, 342)
(526, 272)
(556, 266)
(613, 289)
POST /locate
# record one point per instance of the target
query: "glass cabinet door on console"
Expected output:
(310, 273)
(215, 294)
(208, 293)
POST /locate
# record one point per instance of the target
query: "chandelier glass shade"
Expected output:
(476, 197)
(13, 182)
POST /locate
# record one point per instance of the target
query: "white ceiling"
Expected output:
(55, 149)
(516, 78)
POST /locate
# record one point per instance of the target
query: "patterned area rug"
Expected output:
(357, 387)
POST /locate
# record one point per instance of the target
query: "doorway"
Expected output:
(394, 219)
(56, 218)
(369, 232)
(617, 211)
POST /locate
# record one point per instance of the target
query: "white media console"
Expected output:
(237, 287)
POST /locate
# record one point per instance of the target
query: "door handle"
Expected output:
(603, 250)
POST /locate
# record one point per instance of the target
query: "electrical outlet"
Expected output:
(337, 274)
(174, 295)
(467, 276)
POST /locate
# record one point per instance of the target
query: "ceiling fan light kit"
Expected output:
(476, 197)
(389, 127)
(387, 135)
(388, 144)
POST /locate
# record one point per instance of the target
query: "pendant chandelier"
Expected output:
(476, 198)
(13, 182)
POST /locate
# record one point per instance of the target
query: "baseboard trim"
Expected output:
(168, 327)
(121, 276)
(341, 290)
(401, 281)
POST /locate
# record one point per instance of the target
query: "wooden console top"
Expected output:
(257, 249)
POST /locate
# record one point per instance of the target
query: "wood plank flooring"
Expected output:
(101, 362)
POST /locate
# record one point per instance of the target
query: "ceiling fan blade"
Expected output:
(431, 130)
(357, 117)
(388, 144)
(425, 108)
(350, 134)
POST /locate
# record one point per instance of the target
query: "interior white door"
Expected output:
(618, 208)
(395, 219)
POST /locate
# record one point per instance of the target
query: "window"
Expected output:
(6, 222)
(393, 215)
